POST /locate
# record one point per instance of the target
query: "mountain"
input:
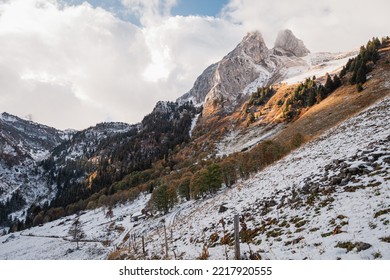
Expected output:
(326, 200)
(44, 167)
(22, 145)
(225, 85)
(221, 84)
(291, 157)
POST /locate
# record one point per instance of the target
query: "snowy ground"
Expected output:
(327, 200)
(305, 206)
(319, 65)
(52, 241)
(239, 140)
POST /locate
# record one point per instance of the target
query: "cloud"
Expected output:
(324, 25)
(71, 66)
(150, 12)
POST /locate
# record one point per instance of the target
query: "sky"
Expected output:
(74, 63)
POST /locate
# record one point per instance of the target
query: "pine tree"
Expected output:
(164, 198)
(76, 231)
(361, 74)
(343, 72)
(336, 81)
(184, 186)
(252, 117)
(214, 177)
(329, 86)
(359, 87)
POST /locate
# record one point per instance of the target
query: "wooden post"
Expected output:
(143, 245)
(237, 253)
(135, 244)
(166, 241)
(129, 242)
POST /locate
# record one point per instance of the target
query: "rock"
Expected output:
(271, 203)
(337, 162)
(335, 180)
(306, 189)
(361, 246)
(353, 170)
(227, 79)
(324, 179)
(343, 174)
(222, 209)
(287, 44)
(376, 156)
(344, 182)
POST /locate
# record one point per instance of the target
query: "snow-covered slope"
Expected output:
(331, 193)
(51, 241)
(327, 200)
(23, 144)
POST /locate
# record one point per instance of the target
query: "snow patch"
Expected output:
(193, 123)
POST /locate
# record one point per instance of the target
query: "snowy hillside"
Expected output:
(330, 195)
(52, 241)
(327, 200)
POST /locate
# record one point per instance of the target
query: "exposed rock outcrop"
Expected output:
(287, 44)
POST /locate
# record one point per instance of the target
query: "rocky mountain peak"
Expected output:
(287, 44)
(253, 46)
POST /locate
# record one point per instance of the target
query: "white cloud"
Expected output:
(70, 66)
(150, 12)
(324, 25)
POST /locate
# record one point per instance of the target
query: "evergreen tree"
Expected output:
(184, 186)
(361, 74)
(343, 72)
(359, 87)
(198, 185)
(252, 117)
(336, 81)
(214, 177)
(76, 231)
(164, 198)
(229, 171)
(329, 86)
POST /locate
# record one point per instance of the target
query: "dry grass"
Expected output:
(114, 255)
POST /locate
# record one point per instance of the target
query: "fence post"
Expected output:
(166, 241)
(237, 253)
(129, 242)
(143, 246)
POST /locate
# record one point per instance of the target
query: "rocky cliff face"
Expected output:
(225, 84)
(287, 44)
(221, 85)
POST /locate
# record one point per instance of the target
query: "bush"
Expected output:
(359, 87)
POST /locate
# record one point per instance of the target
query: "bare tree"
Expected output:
(109, 213)
(76, 231)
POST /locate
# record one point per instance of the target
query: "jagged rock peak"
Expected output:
(252, 45)
(287, 44)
